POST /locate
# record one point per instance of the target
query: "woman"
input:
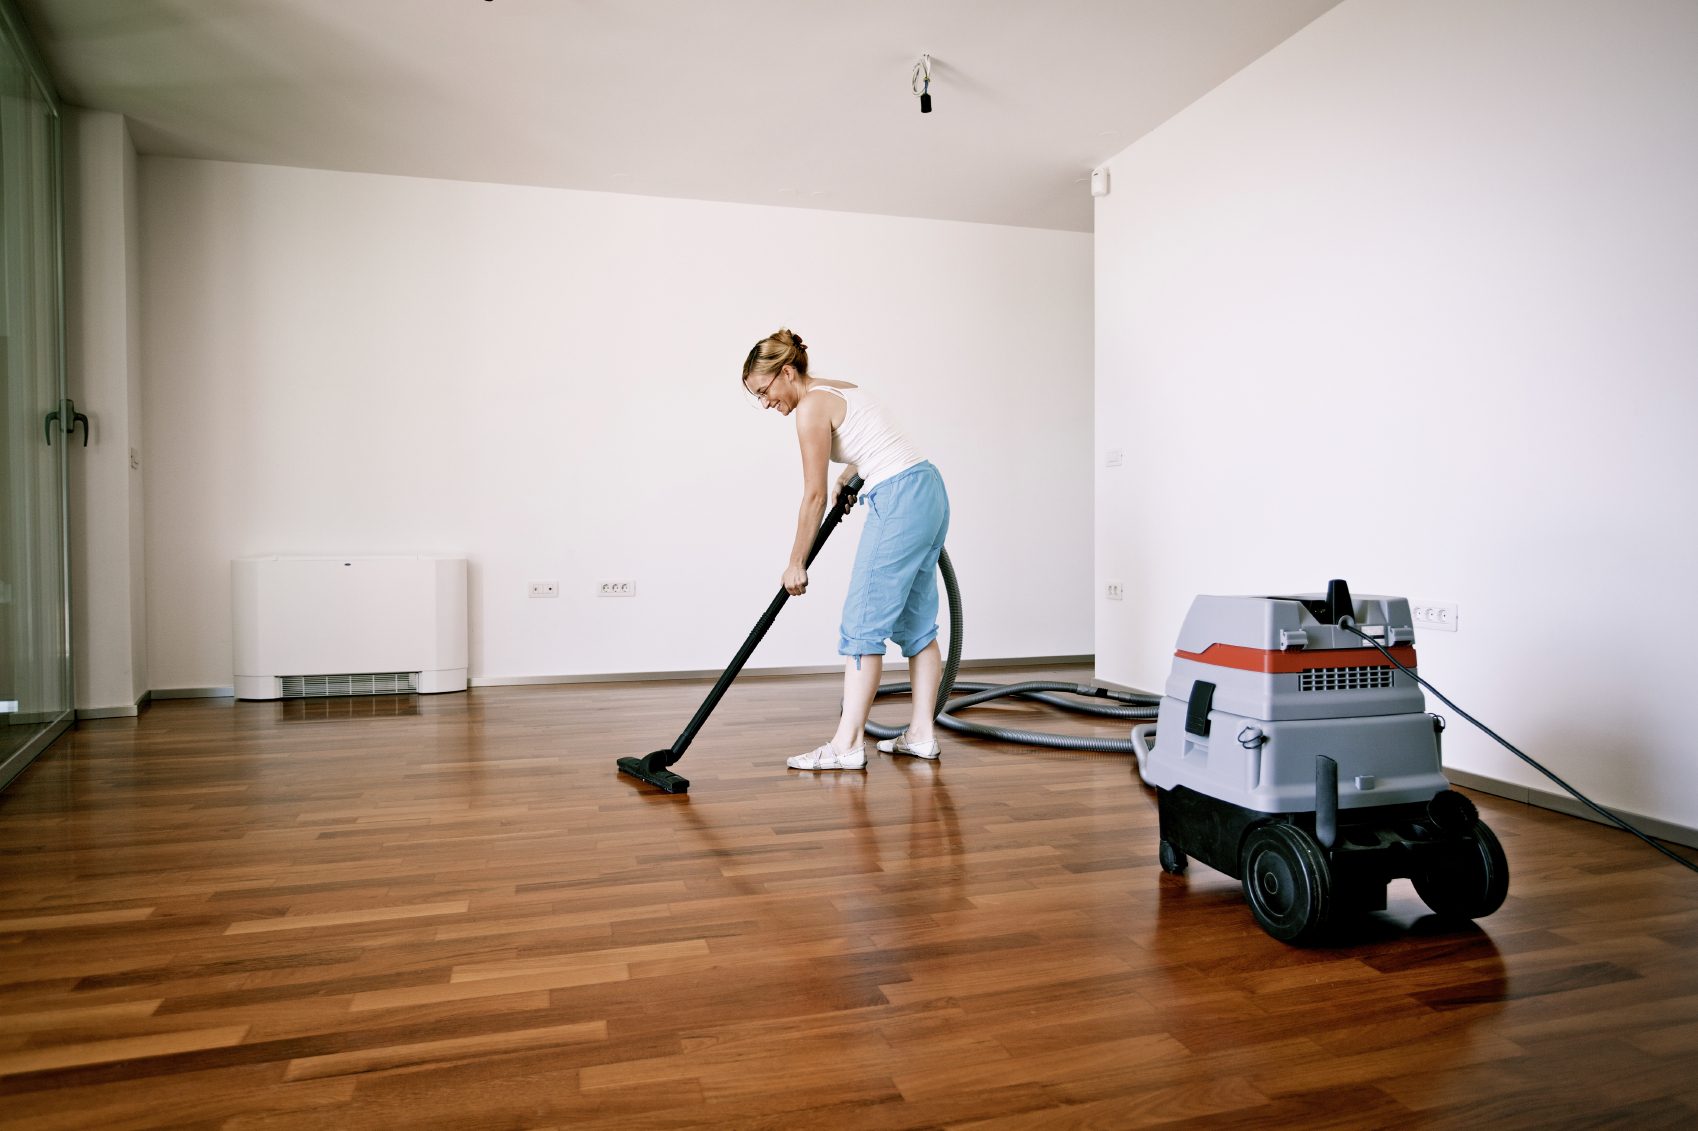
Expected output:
(893, 589)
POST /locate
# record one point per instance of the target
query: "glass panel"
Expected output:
(35, 659)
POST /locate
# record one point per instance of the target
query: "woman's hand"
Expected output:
(796, 580)
(843, 485)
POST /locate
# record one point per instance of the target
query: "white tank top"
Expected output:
(868, 439)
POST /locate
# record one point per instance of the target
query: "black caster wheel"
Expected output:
(1287, 882)
(1472, 882)
(1173, 860)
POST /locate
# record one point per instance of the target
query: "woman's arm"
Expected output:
(813, 433)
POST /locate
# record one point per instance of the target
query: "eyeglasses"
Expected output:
(760, 393)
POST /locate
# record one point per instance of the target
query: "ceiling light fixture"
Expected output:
(922, 83)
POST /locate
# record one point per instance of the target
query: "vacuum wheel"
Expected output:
(1287, 882)
(1173, 859)
(1470, 884)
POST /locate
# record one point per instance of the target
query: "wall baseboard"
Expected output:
(1562, 803)
(635, 677)
(116, 712)
(713, 673)
(84, 713)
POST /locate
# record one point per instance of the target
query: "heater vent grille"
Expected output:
(1344, 679)
(363, 683)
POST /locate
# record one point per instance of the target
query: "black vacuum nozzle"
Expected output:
(652, 769)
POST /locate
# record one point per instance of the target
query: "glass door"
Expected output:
(35, 419)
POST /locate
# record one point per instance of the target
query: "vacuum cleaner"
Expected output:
(1293, 751)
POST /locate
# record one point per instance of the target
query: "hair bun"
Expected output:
(796, 340)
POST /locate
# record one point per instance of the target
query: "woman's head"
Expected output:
(768, 360)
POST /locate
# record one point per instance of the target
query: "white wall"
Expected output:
(103, 369)
(547, 381)
(1410, 301)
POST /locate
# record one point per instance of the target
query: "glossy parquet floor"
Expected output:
(451, 911)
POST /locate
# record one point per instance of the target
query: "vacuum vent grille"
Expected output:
(1344, 679)
(364, 683)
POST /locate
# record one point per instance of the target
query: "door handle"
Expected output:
(68, 418)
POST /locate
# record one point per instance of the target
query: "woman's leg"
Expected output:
(918, 620)
(861, 675)
(907, 518)
(925, 672)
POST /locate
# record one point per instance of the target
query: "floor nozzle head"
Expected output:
(652, 769)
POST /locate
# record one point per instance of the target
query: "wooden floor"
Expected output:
(450, 911)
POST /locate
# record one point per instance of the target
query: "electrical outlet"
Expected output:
(1114, 591)
(1433, 614)
(617, 589)
(545, 589)
(1115, 457)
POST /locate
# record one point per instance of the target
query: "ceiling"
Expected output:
(804, 103)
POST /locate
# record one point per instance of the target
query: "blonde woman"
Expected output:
(893, 588)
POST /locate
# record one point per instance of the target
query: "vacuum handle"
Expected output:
(834, 516)
(832, 519)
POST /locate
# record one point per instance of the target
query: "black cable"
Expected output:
(1578, 796)
(1038, 691)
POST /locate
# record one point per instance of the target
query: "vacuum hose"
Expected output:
(1138, 705)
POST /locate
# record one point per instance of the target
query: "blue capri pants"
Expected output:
(893, 588)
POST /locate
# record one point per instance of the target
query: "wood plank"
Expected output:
(119, 1048)
(347, 918)
(426, 1052)
(488, 987)
(73, 1016)
(74, 920)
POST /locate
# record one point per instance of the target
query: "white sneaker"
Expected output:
(828, 757)
(928, 750)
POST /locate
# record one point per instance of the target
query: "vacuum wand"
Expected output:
(653, 767)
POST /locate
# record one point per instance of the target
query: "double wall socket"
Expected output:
(1433, 614)
(616, 589)
(1114, 591)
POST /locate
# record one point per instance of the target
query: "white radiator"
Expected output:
(348, 626)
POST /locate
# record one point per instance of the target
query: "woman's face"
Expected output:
(776, 390)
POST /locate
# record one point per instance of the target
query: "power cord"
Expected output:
(1345, 622)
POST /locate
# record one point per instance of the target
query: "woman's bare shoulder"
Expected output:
(821, 404)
